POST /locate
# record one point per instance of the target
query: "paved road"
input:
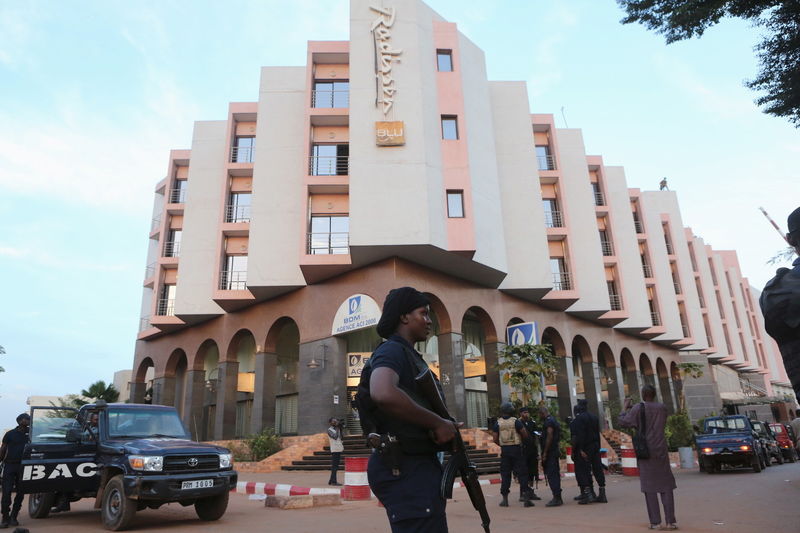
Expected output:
(730, 502)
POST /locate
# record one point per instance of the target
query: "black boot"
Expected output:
(581, 496)
(533, 495)
(504, 502)
(13, 518)
(591, 497)
(601, 498)
(525, 498)
(555, 502)
(4, 522)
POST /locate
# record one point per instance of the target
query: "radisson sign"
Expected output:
(385, 55)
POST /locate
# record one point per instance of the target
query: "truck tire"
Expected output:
(756, 463)
(40, 503)
(210, 509)
(116, 509)
(780, 458)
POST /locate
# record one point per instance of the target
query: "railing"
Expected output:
(702, 300)
(677, 287)
(562, 281)
(637, 224)
(655, 317)
(710, 340)
(648, 271)
(546, 162)
(233, 280)
(172, 249)
(155, 224)
(330, 99)
(616, 302)
(242, 154)
(144, 323)
(177, 195)
(328, 243)
(237, 213)
(751, 390)
(150, 271)
(552, 219)
(669, 248)
(607, 247)
(599, 198)
(328, 165)
(685, 330)
(166, 307)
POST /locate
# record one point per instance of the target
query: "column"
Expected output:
(263, 415)
(496, 390)
(701, 394)
(565, 383)
(451, 374)
(593, 390)
(632, 379)
(193, 409)
(164, 391)
(666, 393)
(227, 383)
(137, 391)
(673, 398)
(318, 387)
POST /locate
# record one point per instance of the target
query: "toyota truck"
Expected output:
(728, 440)
(128, 457)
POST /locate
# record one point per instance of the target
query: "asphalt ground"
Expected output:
(731, 501)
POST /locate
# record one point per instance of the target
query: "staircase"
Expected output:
(354, 446)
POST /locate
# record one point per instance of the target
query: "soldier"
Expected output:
(530, 449)
(586, 446)
(406, 481)
(14, 442)
(583, 474)
(509, 433)
(551, 436)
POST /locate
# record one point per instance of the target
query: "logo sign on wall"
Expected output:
(355, 364)
(390, 133)
(525, 333)
(357, 312)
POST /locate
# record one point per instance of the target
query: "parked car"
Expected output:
(730, 441)
(785, 441)
(768, 442)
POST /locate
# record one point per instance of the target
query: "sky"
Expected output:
(94, 94)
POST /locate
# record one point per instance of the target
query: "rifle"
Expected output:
(459, 460)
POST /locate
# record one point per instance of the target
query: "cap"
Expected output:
(25, 416)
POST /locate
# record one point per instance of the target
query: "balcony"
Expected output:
(685, 330)
(546, 162)
(562, 281)
(150, 271)
(155, 225)
(552, 219)
(616, 301)
(144, 323)
(233, 280)
(330, 99)
(328, 243)
(242, 154)
(637, 224)
(670, 251)
(599, 199)
(235, 214)
(648, 271)
(702, 300)
(710, 340)
(329, 165)
(165, 307)
(655, 317)
(172, 249)
(177, 196)
(677, 287)
(607, 247)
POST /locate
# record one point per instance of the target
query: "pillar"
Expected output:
(263, 415)
(451, 374)
(565, 383)
(164, 391)
(137, 390)
(193, 408)
(701, 394)
(666, 393)
(319, 387)
(672, 397)
(633, 380)
(496, 390)
(227, 383)
(616, 390)
(593, 390)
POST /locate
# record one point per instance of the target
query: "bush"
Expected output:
(679, 430)
(264, 444)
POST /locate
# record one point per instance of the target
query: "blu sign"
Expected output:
(525, 333)
(359, 311)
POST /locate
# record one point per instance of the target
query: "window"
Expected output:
(238, 209)
(234, 277)
(444, 60)
(561, 278)
(449, 128)
(455, 204)
(329, 160)
(613, 296)
(544, 158)
(178, 193)
(331, 94)
(166, 303)
(172, 247)
(329, 235)
(552, 216)
(243, 149)
(599, 199)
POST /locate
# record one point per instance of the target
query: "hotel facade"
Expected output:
(391, 160)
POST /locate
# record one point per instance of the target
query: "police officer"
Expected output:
(530, 449)
(406, 483)
(583, 473)
(14, 442)
(509, 433)
(586, 440)
(551, 437)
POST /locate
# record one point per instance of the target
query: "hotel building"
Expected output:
(391, 160)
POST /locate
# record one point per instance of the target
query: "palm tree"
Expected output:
(99, 391)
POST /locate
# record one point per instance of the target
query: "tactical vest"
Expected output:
(508, 432)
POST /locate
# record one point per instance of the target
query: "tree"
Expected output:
(2, 352)
(99, 391)
(525, 365)
(779, 52)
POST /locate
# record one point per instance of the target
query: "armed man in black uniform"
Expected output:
(551, 453)
(530, 449)
(407, 481)
(509, 433)
(14, 442)
(586, 439)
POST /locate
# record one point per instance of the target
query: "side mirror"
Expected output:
(73, 435)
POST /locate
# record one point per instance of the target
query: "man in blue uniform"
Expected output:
(509, 433)
(14, 442)
(583, 473)
(530, 449)
(586, 446)
(406, 482)
(551, 437)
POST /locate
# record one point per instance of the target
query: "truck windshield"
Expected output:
(717, 425)
(145, 423)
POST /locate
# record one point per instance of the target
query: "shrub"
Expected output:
(264, 444)
(679, 430)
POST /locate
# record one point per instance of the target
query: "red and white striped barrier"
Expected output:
(629, 465)
(356, 485)
(604, 457)
(570, 462)
(279, 489)
(496, 481)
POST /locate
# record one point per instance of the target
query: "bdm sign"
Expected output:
(525, 333)
(357, 312)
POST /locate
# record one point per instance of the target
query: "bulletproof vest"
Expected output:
(508, 431)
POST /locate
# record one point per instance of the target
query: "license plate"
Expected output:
(197, 484)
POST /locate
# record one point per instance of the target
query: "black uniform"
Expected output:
(551, 467)
(586, 436)
(412, 498)
(530, 451)
(15, 441)
(511, 460)
(583, 471)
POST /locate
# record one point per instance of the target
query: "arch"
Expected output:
(646, 370)
(562, 381)
(552, 337)
(173, 360)
(662, 378)
(241, 346)
(442, 316)
(285, 338)
(605, 356)
(674, 372)
(626, 360)
(489, 331)
(271, 340)
(581, 350)
(207, 356)
(142, 370)
(661, 368)
(630, 374)
(610, 387)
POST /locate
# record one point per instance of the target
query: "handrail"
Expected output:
(616, 302)
(328, 165)
(562, 281)
(330, 99)
(177, 195)
(546, 162)
(637, 224)
(166, 307)
(685, 330)
(233, 280)
(677, 287)
(552, 219)
(655, 317)
(599, 198)
(648, 270)
(172, 249)
(242, 154)
(327, 243)
(237, 213)
(607, 247)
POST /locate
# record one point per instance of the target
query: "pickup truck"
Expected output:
(128, 457)
(768, 442)
(729, 440)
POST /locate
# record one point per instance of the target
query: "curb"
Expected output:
(280, 489)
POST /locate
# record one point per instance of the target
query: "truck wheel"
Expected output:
(39, 504)
(210, 509)
(780, 458)
(116, 510)
(756, 462)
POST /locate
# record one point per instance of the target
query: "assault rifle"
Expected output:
(459, 461)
